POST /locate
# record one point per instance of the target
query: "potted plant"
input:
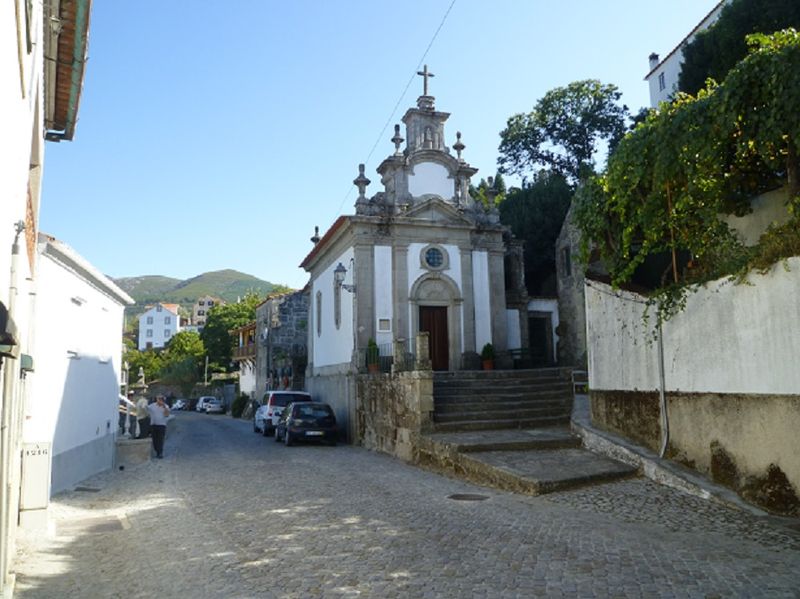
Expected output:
(373, 355)
(487, 356)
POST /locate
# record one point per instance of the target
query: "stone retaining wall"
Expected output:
(393, 410)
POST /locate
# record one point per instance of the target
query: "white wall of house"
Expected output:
(247, 378)
(75, 384)
(730, 338)
(332, 345)
(21, 159)
(384, 294)
(157, 326)
(663, 76)
(431, 178)
(483, 304)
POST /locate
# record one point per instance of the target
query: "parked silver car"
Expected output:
(214, 406)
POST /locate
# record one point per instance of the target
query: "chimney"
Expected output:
(653, 61)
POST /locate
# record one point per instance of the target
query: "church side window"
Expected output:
(337, 305)
(319, 313)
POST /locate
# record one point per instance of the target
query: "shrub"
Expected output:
(239, 405)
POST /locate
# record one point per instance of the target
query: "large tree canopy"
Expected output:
(221, 320)
(715, 51)
(564, 130)
(535, 214)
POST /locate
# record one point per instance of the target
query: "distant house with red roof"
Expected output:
(157, 325)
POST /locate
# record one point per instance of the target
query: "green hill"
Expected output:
(228, 285)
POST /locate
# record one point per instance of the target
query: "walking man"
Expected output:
(143, 417)
(158, 424)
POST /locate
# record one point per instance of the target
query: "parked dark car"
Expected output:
(266, 417)
(307, 421)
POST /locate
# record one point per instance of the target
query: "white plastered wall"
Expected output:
(730, 338)
(78, 344)
(332, 345)
(384, 292)
(430, 178)
(483, 304)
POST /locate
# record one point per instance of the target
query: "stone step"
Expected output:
(505, 423)
(497, 397)
(563, 373)
(508, 387)
(555, 437)
(539, 472)
(484, 415)
(495, 404)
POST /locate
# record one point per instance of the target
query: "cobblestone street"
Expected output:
(228, 513)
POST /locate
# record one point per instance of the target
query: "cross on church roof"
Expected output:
(425, 74)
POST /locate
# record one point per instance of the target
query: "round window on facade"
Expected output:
(434, 257)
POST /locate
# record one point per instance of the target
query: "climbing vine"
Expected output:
(660, 199)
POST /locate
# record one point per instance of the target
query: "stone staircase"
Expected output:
(510, 429)
(495, 399)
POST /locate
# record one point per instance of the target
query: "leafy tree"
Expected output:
(535, 214)
(564, 130)
(221, 320)
(184, 372)
(149, 360)
(185, 344)
(715, 51)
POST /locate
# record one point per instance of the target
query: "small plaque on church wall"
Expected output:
(384, 325)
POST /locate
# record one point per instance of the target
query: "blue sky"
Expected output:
(216, 135)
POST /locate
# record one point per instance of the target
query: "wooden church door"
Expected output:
(433, 319)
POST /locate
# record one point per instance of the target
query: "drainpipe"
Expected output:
(662, 396)
(8, 407)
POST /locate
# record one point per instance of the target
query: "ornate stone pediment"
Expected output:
(434, 208)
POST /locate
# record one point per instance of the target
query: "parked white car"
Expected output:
(272, 405)
(201, 403)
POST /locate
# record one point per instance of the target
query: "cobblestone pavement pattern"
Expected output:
(230, 514)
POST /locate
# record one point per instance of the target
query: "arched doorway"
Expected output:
(436, 308)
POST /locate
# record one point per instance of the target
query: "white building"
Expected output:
(43, 48)
(420, 256)
(78, 343)
(158, 325)
(663, 75)
(201, 308)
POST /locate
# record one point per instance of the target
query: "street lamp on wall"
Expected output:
(339, 273)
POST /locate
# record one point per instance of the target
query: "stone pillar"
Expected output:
(423, 351)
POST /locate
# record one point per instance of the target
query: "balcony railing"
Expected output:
(244, 352)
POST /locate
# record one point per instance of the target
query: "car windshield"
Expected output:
(284, 399)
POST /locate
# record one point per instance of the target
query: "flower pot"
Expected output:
(373, 368)
(488, 364)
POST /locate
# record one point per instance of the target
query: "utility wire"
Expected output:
(400, 99)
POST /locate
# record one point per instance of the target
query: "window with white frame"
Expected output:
(662, 82)
(148, 333)
(149, 320)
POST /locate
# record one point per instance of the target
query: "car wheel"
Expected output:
(287, 438)
(267, 431)
(277, 436)
(255, 428)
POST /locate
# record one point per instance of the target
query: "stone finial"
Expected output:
(459, 146)
(315, 239)
(361, 182)
(491, 191)
(397, 140)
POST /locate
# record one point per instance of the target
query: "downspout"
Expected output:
(8, 407)
(662, 395)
